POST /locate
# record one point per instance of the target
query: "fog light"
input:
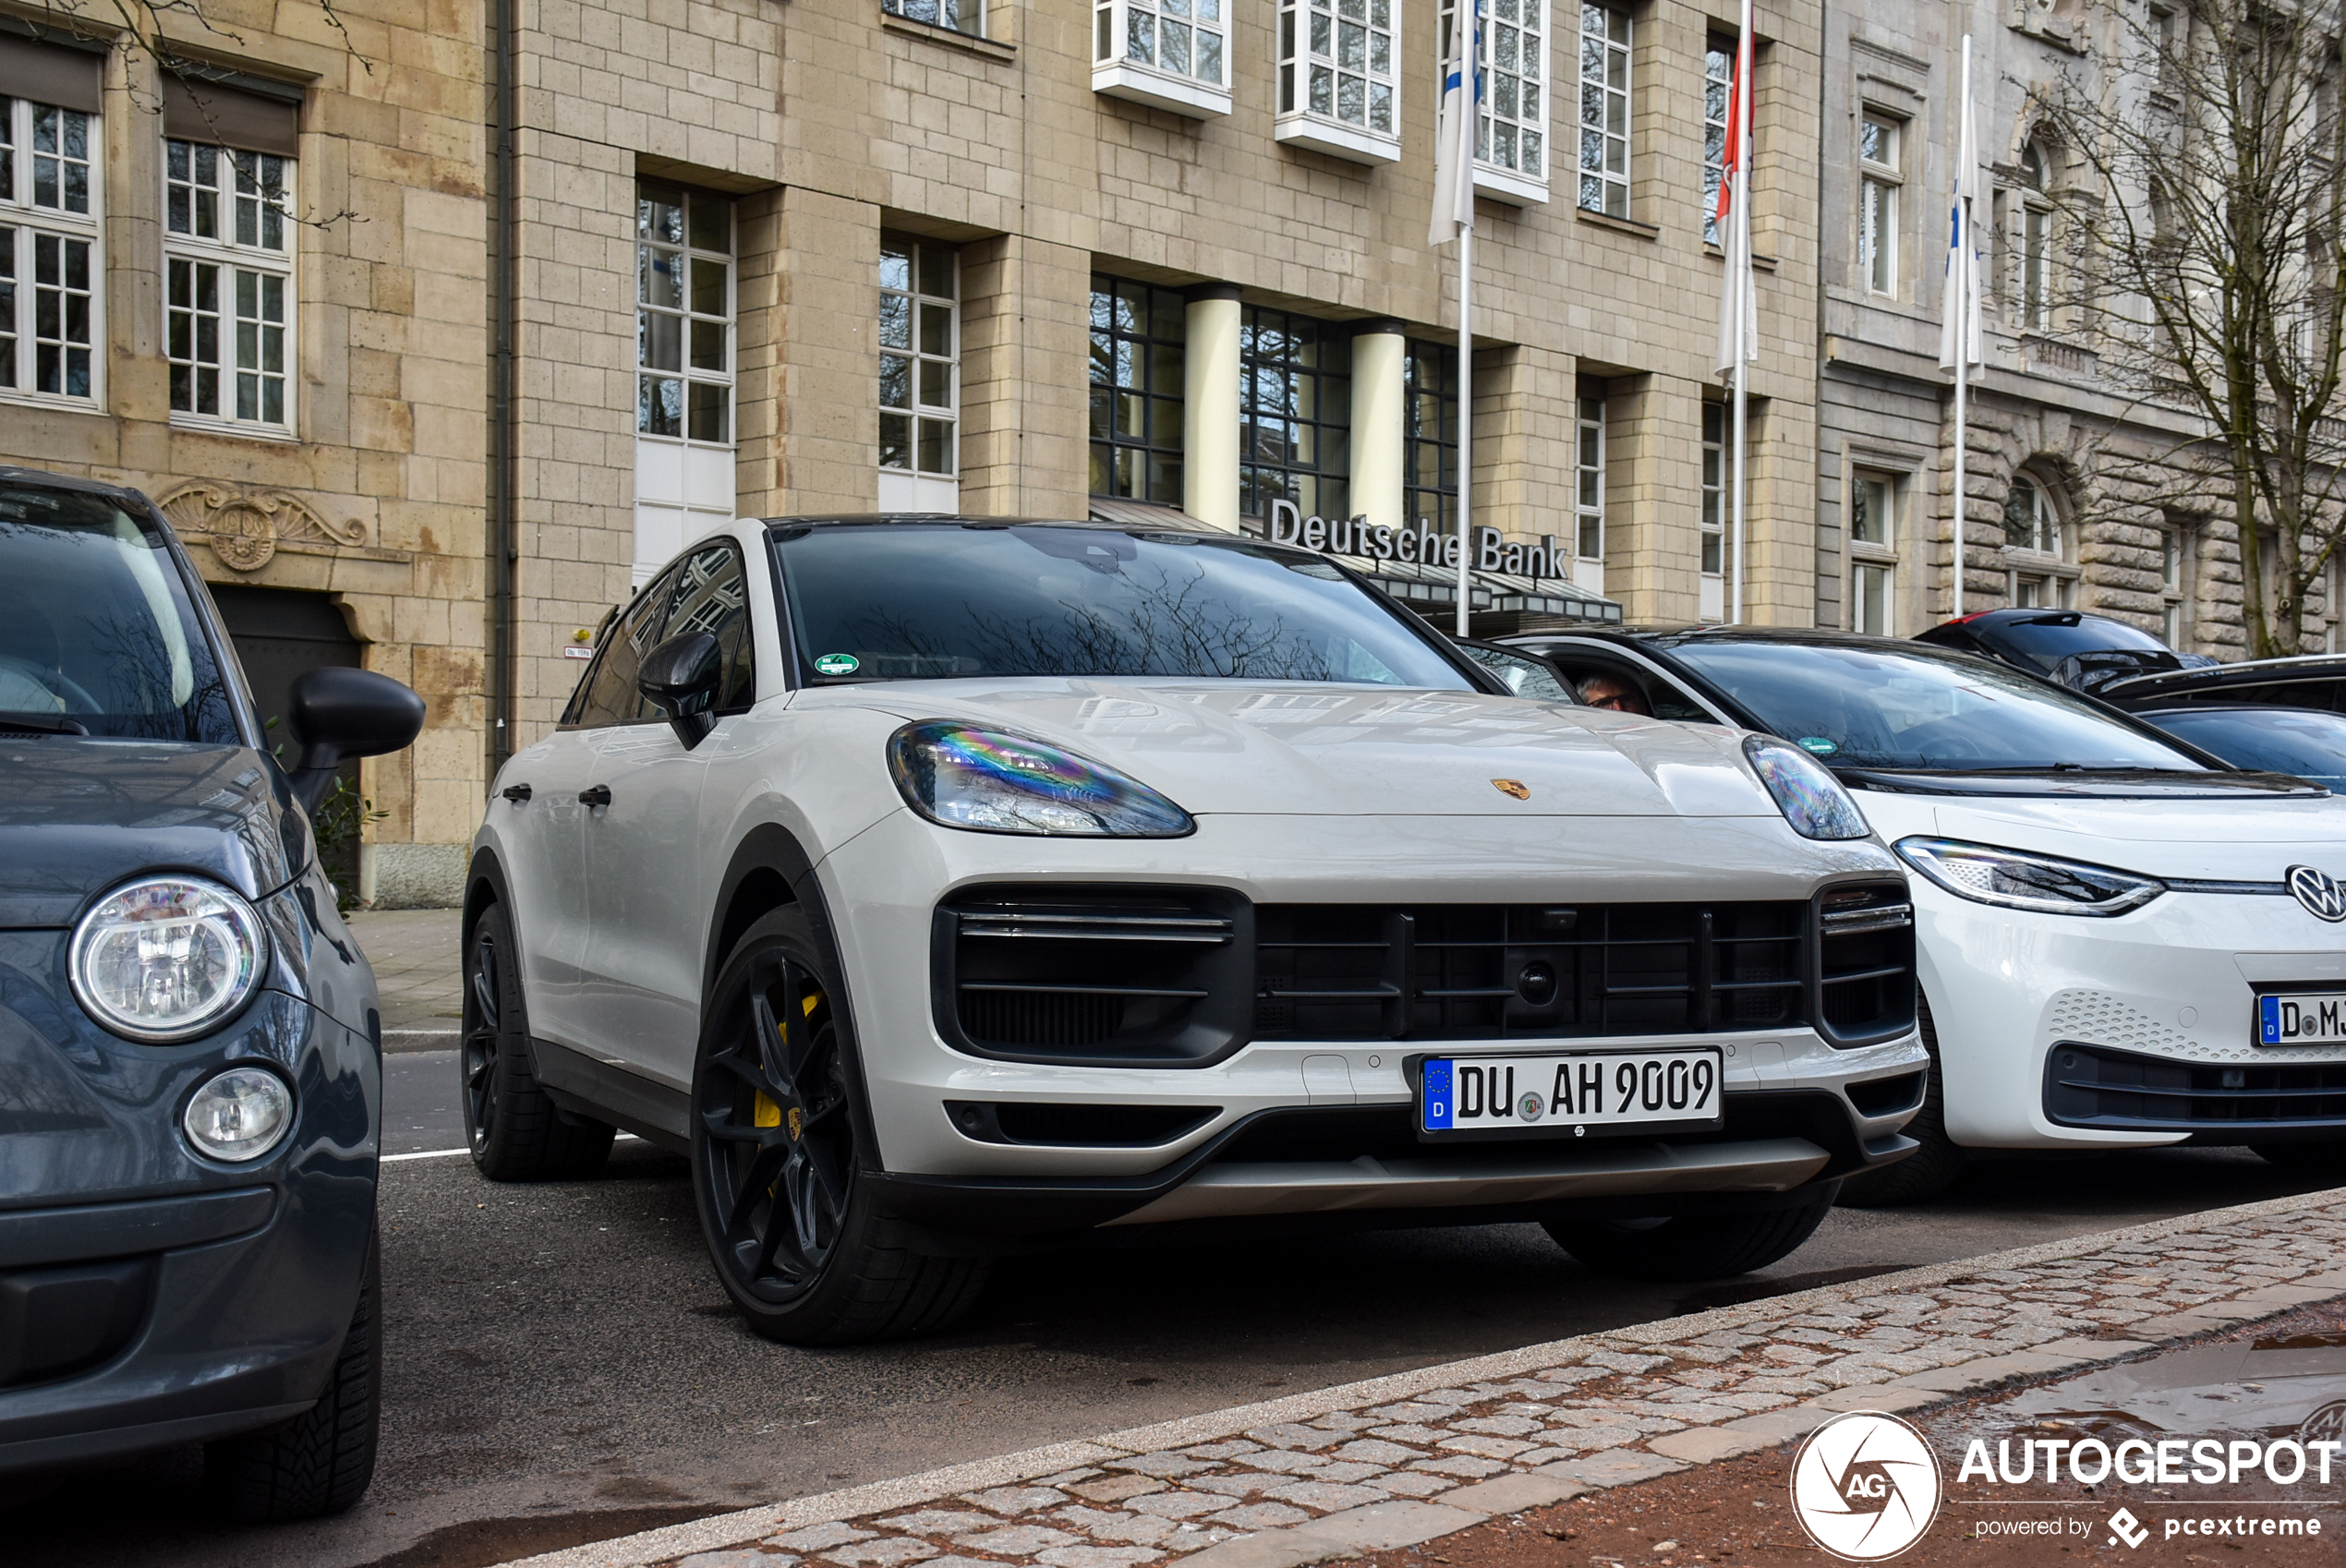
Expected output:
(239, 1114)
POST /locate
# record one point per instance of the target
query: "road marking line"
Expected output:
(443, 1153)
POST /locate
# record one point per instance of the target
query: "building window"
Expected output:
(1339, 85)
(1711, 604)
(1587, 472)
(1430, 481)
(1604, 110)
(920, 355)
(1873, 541)
(2039, 544)
(229, 290)
(1166, 54)
(1295, 413)
(1880, 175)
(961, 16)
(1137, 365)
(684, 368)
(2035, 241)
(2174, 588)
(50, 304)
(1718, 90)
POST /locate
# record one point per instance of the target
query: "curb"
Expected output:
(1383, 1525)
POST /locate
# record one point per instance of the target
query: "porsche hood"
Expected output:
(1293, 748)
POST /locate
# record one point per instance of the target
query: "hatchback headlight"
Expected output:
(959, 775)
(1805, 789)
(168, 958)
(2014, 879)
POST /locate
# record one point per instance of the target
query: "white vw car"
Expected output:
(942, 886)
(2123, 941)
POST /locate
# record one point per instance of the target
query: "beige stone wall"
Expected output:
(379, 499)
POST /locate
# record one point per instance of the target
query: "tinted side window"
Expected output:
(610, 697)
(708, 595)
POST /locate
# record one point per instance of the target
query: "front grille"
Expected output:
(2095, 1086)
(1866, 943)
(1464, 971)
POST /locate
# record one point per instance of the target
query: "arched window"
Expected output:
(2035, 239)
(2040, 543)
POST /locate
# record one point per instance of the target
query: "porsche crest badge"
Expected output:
(1515, 787)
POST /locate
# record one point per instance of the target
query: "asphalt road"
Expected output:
(562, 1367)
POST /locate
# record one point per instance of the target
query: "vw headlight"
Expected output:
(958, 776)
(1805, 789)
(2016, 880)
(166, 958)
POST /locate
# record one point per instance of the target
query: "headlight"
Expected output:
(1805, 789)
(239, 1114)
(167, 957)
(2018, 881)
(962, 777)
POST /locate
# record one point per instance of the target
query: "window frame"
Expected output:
(1118, 74)
(920, 415)
(1295, 60)
(1625, 51)
(28, 223)
(1421, 361)
(1500, 182)
(228, 257)
(1875, 560)
(1161, 453)
(1712, 519)
(650, 191)
(2032, 295)
(1881, 205)
(1718, 92)
(2051, 575)
(904, 10)
(1588, 478)
(1335, 414)
(2178, 555)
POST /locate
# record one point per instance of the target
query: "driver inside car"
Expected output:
(1617, 692)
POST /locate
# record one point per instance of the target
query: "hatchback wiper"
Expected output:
(40, 724)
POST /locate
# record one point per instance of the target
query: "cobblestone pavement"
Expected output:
(413, 956)
(1402, 1459)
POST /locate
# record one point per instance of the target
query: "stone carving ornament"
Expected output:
(244, 526)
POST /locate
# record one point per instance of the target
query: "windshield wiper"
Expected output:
(40, 724)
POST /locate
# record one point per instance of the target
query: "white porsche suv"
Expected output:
(942, 886)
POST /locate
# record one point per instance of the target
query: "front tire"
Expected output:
(321, 1462)
(1930, 1170)
(780, 1156)
(515, 1130)
(1684, 1248)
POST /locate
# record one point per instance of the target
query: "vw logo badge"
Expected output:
(2318, 891)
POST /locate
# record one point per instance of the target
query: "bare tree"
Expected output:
(2212, 260)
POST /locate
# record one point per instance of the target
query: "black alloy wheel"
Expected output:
(515, 1130)
(780, 1145)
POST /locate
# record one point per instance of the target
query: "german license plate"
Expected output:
(1569, 1096)
(2310, 1017)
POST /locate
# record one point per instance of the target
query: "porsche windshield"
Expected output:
(1858, 706)
(899, 602)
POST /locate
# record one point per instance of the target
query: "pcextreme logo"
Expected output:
(1865, 1486)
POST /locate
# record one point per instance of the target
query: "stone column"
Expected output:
(1379, 423)
(1025, 376)
(1210, 407)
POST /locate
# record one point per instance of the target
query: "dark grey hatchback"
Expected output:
(189, 1054)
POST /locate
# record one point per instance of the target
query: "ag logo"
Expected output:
(2318, 891)
(1865, 1486)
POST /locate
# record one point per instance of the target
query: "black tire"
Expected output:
(2325, 1160)
(515, 1131)
(1930, 1170)
(321, 1462)
(781, 1151)
(1688, 1247)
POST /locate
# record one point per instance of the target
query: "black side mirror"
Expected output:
(680, 678)
(347, 713)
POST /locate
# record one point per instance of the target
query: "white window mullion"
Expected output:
(1171, 55)
(51, 206)
(230, 309)
(1511, 134)
(1339, 77)
(1606, 45)
(686, 301)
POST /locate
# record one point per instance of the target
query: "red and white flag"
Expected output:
(1735, 293)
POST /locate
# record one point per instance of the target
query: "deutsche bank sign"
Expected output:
(1421, 545)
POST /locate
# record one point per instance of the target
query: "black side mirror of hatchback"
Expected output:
(343, 713)
(680, 678)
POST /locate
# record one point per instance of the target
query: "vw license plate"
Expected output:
(2312, 1018)
(1570, 1095)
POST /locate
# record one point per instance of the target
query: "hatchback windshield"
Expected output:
(1869, 707)
(896, 601)
(2273, 740)
(97, 636)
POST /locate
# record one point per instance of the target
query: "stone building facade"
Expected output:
(2068, 499)
(250, 283)
(1040, 259)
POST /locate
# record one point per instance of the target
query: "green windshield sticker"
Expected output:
(1817, 744)
(838, 664)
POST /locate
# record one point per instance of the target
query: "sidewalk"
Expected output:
(1401, 1460)
(417, 974)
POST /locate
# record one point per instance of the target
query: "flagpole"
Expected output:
(1740, 258)
(1961, 305)
(1471, 102)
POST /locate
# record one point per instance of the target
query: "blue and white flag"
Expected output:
(1959, 321)
(1453, 130)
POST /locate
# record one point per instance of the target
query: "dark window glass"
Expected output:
(2043, 644)
(97, 626)
(1138, 338)
(2272, 740)
(1295, 413)
(610, 697)
(705, 593)
(919, 601)
(1524, 675)
(1865, 707)
(1430, 429)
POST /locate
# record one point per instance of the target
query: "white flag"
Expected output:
(1960, 307)
(1454, 131)
(1733, 218)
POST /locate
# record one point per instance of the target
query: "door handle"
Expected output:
(517, 793)
(596, 795)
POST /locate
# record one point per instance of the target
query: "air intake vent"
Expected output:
(1866, 949)
(2093, 1085)
(1103, 976)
